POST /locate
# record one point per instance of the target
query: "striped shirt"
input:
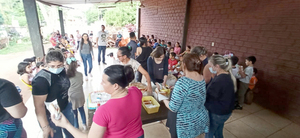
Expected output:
(188, 100)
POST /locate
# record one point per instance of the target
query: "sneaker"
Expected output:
(91, 75)
(98, 63)
(86, 78)
(238, 107)
(104, 63)
(84, 127)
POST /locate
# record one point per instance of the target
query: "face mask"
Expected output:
(56, 70)
(212, 71)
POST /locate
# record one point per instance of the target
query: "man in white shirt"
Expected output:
(101, 41)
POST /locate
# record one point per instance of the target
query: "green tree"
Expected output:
(1, 19)
(123, 14)
(92, 15)
(13, 9)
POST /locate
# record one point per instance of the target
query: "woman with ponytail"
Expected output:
(119, 117)
(188, 117)
(75, 93)
(220, 97)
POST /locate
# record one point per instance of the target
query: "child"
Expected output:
(25, 72)
(172, 61)
(177, 48)
(188, 50)
(40, 66)
(75, 92)
(253, 79)
(235, 68)
(163, 44)
(169, 45)
(245, 76)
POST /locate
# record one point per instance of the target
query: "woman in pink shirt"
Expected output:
(120, 117)
(177, 48)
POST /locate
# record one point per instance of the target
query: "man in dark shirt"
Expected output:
(132, 44)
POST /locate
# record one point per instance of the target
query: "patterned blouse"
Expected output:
(187, 101)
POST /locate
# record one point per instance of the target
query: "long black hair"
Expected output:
(126, 51)
(143, 41)
(119, 74)
(22, 67)
(89, 42)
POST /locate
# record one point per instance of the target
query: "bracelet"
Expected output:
(45, 127)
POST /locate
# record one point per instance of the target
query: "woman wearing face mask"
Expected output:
(220, 96)
(158, 67)
(119, 117)
(52, 83)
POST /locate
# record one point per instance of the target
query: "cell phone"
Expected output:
(19, 89)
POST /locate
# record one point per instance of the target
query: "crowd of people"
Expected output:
(208, 89)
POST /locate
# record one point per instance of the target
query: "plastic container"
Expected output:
(154, 102)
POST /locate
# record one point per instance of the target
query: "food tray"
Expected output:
(150, 110)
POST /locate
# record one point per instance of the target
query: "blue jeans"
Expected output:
(68, 113)
(216, 125)
(82, 114)
(87, 58)
(101, 49)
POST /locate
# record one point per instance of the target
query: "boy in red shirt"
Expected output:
(253, 79)
(172, 61)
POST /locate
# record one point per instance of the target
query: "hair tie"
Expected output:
(69, 60)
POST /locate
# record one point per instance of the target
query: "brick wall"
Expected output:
(164, 19)
(267, 29)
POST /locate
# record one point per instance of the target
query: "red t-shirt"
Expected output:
(122, 116)
(53, 41)
(172, 63)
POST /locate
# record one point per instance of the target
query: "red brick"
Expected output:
(233, 32)
(295, 28)
(274, 41)
(291, 64)
(239, 43)
(231, 42)
(286, 56)
(267, 27)
(245, 38)
(235, 37)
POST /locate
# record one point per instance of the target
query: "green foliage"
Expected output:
(92, 15)
(1, 19)
(123, 14)
(13, 9)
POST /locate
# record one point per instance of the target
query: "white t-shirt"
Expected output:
(134, 64)
(249, 73)
(102, 38)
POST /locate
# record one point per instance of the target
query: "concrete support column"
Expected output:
(61, 20)
(186, 25)
(34, 27)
